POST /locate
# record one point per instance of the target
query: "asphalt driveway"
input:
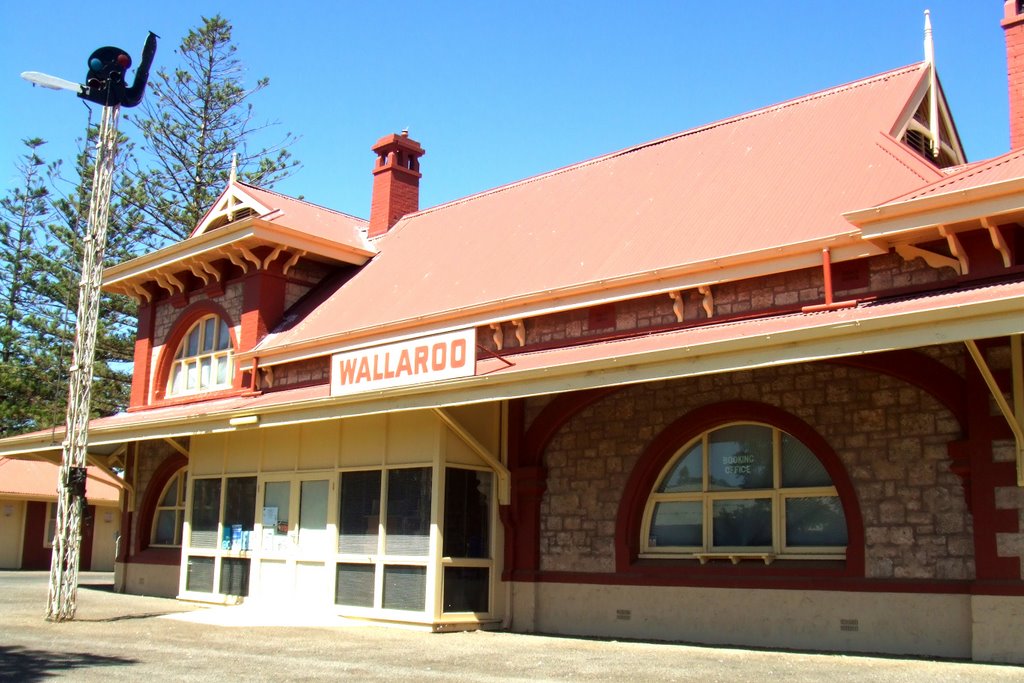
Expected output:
(124, 637)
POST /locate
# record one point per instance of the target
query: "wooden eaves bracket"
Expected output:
(1014, 416)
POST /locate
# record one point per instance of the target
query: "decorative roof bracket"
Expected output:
(708, 302)
(956, 248)
(998, 241)
(908, 252)
(677, 304)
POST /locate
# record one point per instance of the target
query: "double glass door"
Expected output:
(293, 546)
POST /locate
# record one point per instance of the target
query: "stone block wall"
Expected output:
(167, 314)
(891, 437)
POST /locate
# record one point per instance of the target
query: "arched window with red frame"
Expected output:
(203, 360)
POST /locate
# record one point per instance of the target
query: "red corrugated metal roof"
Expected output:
(1009, 166)
(778, 176)
(312, 219)
(35, 479)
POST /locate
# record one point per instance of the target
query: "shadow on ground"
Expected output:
(25, 666)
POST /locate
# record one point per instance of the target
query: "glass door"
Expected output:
(293, 544)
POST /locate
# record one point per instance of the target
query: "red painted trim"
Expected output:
(263, 297)
(161, 556)
(171, 465)
(143, 355)
(188, 317)
(34, 555)
(195, 398)
(529, 478)
(919, 370)
(723, 579)
(644, 477)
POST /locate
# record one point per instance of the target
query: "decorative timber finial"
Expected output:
(234, 168)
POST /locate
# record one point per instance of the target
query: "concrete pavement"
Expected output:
(123, 637)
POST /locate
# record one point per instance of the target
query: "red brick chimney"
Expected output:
(396, 181)
(1013, 25)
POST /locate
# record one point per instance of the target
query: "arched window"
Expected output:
(170, 512)
(740, 490)
(203, 359)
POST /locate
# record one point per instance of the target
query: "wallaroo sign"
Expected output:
(427, 359)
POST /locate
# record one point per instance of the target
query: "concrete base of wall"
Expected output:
(884, 623)
(998, 629)
(159, 580)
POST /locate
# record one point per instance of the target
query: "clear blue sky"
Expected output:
(498, 91)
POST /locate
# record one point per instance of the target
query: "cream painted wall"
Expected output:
(998, 633)
(160, 580)
(106, 526)
(889, 623)
(12, 525)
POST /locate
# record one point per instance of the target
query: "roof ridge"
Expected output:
(296, 199)
(674, 136)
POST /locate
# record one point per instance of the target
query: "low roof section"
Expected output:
(758, 193)
(37, 480)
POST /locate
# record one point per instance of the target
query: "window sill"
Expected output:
(735, 558)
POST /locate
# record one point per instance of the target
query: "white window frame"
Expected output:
(778, 495)
(181, 478)
(211, 353)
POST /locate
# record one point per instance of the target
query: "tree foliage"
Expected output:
(193, 119)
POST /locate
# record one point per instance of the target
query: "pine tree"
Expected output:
(192, 120)
(25, 358)
(125, 239)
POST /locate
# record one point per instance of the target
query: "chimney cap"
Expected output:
(401, 140)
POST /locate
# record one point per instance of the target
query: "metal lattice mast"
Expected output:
(67, 539)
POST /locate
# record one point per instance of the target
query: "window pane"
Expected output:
(467, 519)
(742, 523)
(166, 528)
(276, 500)
(740, 457)
(205, 513)
(223, 337)
(204, 372)
(354, 585)
(688, 472)
(405, 587)
(170, 498)
(408, 520)
(466, 589)
(360, 512)
(677, 523)
(222, 369)
(200, 574)
(193, 376)
(177, 378)
(208, 330)
(193, 341)
(239, 513)
(818, 521)
(800, 467)
(313, 513)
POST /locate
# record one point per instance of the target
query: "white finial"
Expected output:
(234, 167)
(929, 45)
(933, 87)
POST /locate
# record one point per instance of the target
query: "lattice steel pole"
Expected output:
(67, 539)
